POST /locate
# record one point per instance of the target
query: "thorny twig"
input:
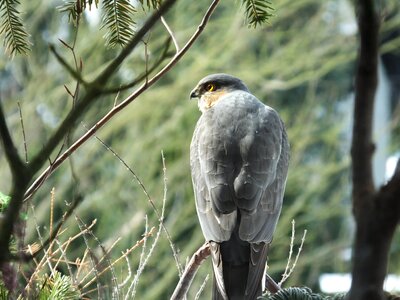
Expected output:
(115, 291)
(285, 273)
(127, 252)
(132, 287)
(66, 215)
(93, 259)
(289, 270)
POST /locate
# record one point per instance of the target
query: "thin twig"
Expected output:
(171, 244)
(91, 256)
(126, 280)
(63, 255)
(202, 287)
(165, 54)
(82, 263)
(33, 253)
(160, 216)
(127, 252)
(75, 74)
(141, 259)
(106, 257)
(284, 278)
(23, 131)
(23, 174)
(66, 215)
(52, 195)
(132, 287)
(160, 227)
(171, 34)
(285, 274)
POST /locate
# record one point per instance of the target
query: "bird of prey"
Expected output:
(239, 161)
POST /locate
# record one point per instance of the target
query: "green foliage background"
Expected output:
(301, 64)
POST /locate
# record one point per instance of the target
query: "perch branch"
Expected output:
(187, 277)
(191, 269)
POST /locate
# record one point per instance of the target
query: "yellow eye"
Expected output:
(210, 87)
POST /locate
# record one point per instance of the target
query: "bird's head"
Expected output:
(212, 87)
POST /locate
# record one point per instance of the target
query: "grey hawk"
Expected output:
(239, 158)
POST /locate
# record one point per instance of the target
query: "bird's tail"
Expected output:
(238, 269)
(235, 279)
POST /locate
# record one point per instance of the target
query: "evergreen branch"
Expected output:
(151, 4)
(15, 35)
(117, 19)
(257, 11)
(74, 8)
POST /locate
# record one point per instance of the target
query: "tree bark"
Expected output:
(376, 212)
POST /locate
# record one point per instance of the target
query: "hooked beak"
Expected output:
(194, 93)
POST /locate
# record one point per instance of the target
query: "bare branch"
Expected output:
(23, 132)
(127, 252)
(106, 257)
(285, 274)
(11, 153)
(165, 54)
(21, 176)
(271, 285)
(142, 186)
(130, 293)
(191, 269)
(39, 181)
(187, 277)
(53, 235)
(171, 34)
(74, 73)
(94, 89)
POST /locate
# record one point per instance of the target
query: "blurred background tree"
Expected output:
(301, 63)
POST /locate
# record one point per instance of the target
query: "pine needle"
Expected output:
(257, 11)
(117, 19)
(11, 27)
